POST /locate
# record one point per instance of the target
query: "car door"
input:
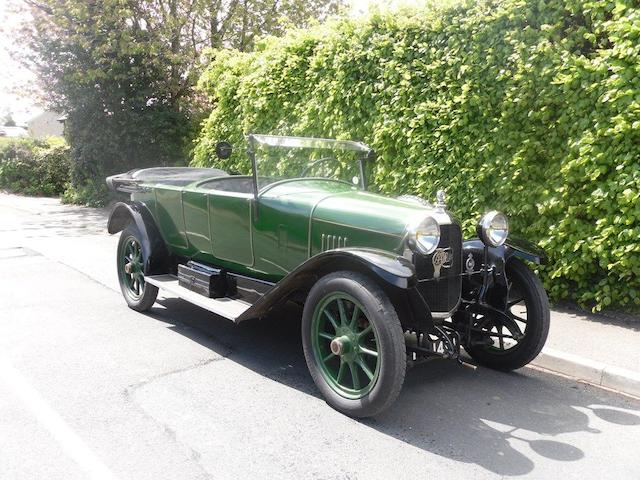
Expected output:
(170, 217)
(195, 204)
(280, 235)
(231, 218)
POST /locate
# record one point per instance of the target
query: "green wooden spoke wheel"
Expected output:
(131, 269)
(345, 345)
(354, 344)
(133, 275)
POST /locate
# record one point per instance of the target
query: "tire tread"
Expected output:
(150, 291)
(382, 308)
(523, 353)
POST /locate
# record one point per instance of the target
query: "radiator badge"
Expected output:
(470, 264)
(442, 258)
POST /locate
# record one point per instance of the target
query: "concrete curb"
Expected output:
(590, 371)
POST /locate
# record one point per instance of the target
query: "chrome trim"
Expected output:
(443, 217)
(441, 258)
(332, 242)
(441, 200)
(421, 228)
(469, 264)
(485, 223)
(449, 313)
(307, 142)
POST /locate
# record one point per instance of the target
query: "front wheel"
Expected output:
(515, 340)
(353, 344)
(138, 294)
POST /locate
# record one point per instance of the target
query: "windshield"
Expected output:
(284, 158)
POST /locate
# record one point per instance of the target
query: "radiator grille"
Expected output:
(442, 293)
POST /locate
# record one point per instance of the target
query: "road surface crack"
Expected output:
(170, 433)
(131, 389)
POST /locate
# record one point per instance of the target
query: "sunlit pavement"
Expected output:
(91, 389)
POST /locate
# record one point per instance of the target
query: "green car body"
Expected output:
(368, 269)
(292, 222)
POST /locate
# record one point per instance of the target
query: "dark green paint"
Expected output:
(230, 216)
(284, 229)
(281, 231)
(195, 205)
(170, 217)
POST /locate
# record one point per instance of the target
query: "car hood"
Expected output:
(341, 204)
(369, 211)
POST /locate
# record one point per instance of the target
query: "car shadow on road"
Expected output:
(443, 408)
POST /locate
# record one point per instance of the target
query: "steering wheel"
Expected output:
(317, 162)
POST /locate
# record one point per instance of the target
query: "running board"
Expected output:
(225, 307)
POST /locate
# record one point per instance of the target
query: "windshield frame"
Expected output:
(307, 142)
(364, 152)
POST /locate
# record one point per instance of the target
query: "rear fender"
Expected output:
(154, 250)
(393, 271)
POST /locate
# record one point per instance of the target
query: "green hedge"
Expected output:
(528, 106)
(34, 167)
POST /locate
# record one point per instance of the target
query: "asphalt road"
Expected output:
(91, 389)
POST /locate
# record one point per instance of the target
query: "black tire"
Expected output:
(144, 296)
(391, 359)
(535, 298)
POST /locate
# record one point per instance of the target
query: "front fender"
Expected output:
(497, 258)
(393, 270)
(154, 250)
(513, 247)
(519, 247)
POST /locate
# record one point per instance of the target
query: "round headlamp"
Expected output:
(493, 228)
(427, 236)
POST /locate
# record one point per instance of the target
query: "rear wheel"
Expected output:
(138, 294)
(513, 341)
(353, 344)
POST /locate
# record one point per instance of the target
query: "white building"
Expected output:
(13, 131)
(46, 124)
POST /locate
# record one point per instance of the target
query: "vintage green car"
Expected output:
(383, 281)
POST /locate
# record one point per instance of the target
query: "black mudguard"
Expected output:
(513, 247)
(395, 271)
(497, 258)
(154, 250)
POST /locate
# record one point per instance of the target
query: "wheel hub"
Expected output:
(132, 273)
(341, 345)
(132, 268)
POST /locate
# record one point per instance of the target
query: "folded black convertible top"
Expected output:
(177, 176)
